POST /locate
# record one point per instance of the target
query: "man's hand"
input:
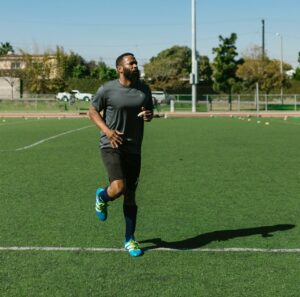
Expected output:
(115, 138)
(147, 115)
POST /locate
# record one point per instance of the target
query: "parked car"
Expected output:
(81, 96)
(159, 97)
(74, 94)
(63, 96)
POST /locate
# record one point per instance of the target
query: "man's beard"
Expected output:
(131, 75)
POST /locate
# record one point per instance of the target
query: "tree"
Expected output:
(296, 75)
(60, 76)
(76, 66)
(5, 48)
(57, 71)
(225, 65)
(264, 72)
(205, 69)
(39, 74)
(102, 72)
(79, 71)
(11, 76)
(170, 69)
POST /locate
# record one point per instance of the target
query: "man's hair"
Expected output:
(120, 58)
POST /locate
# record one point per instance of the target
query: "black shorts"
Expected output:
(121, 165)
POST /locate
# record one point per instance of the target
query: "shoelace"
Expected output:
(132, 245)
(101, 206)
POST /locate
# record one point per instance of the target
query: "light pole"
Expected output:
(281, 63)
(194, 73)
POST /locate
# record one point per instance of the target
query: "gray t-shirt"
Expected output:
(120, 106)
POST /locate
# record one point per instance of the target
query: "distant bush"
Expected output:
(84, 85)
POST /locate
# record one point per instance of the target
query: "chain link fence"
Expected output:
(264, 102)
(179, 102)
(41, 103)
(237, 102)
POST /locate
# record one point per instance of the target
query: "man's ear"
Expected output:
(119, 69)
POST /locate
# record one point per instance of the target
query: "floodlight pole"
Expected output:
(263, 40)
(257, 99)
(281, 64)
(194, 73)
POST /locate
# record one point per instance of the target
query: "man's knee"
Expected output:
(116, 188)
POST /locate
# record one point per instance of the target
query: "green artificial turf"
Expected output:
(205, 183)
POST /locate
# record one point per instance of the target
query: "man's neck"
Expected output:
(125, 82)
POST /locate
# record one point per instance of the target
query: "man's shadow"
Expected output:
(206, 238)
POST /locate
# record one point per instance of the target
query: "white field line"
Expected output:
(50, 138)
(109, 250)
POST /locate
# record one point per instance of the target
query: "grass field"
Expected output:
(206, 184)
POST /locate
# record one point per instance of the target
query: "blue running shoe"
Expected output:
(133, 248)
(101, 206)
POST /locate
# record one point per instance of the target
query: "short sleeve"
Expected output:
(99, 101)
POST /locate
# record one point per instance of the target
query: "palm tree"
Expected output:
(5, 48)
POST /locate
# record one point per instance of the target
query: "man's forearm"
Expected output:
(96, 117)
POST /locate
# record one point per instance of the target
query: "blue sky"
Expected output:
(103, 29)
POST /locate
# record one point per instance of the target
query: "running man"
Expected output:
(125, 104)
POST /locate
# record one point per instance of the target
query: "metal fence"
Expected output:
(238, 102)
(41, 103)
(179, 102)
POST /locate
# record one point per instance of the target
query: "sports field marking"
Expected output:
(50, 138)
(109, 250)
